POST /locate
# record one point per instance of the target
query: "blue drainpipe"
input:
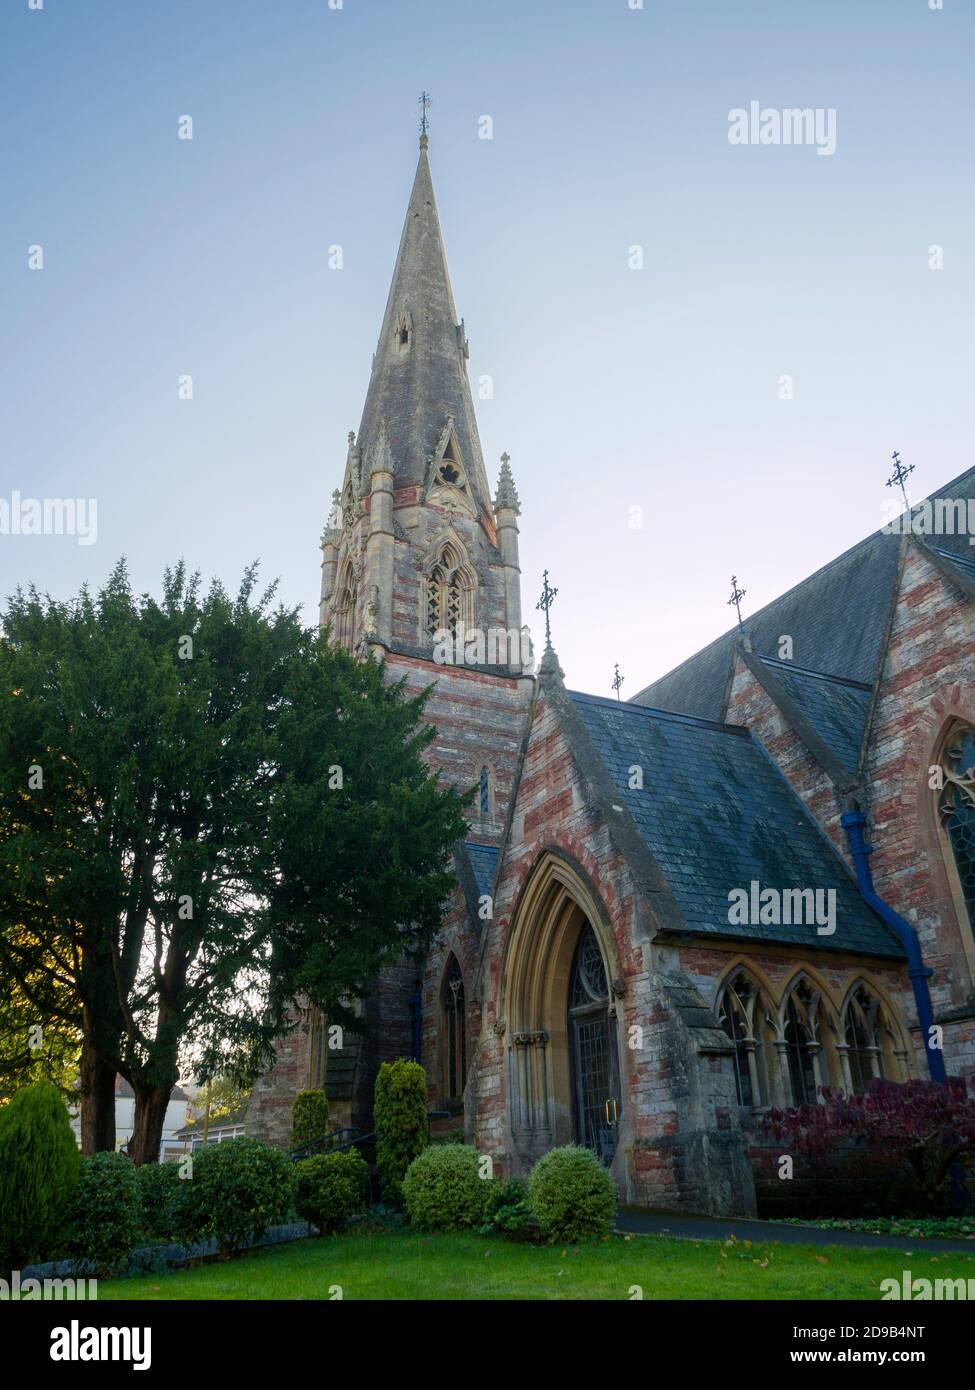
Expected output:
(853, 823)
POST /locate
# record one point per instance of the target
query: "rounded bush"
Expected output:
(331, 1188)
(400, 1116)
(159, 1197)
(309, 1117)
(571, 1194)
(238, 1189)
(39, 1166)
(443, 1189)
(105, 1211)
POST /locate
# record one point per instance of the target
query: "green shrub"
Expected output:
(159, 1196)
(443, 1189)
(571, 1194)
(39, 1165)
(400, 1116)
(331, 1188)
(105, 1212)
(309, 1117)
(508, 1213)
(238, 1189)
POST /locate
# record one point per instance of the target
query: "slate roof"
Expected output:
(837, 709)
(484, 862)
(837, 618)
(716, 814)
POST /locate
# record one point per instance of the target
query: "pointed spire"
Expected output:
(507, 496)
(419, 373)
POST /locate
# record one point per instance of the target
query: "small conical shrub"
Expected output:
(39, 1165)
(400, 1116)
(309, 1117)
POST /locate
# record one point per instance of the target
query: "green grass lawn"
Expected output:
(408, 1265)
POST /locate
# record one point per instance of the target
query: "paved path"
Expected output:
(653, 1223)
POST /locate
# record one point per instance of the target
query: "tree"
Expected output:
(928, 1125)
(207, 811)
(35, 1046)
(219, 1097)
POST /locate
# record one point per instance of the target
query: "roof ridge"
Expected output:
(781, 665)
(808, 579)
(675, 716)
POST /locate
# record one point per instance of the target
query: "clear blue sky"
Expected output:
(614, 388)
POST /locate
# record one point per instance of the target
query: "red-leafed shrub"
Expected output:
(928, 1126)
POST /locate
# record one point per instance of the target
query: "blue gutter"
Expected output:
(853, 823)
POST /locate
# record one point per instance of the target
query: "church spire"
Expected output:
(419, 371)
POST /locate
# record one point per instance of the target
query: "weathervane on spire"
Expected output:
(736, 597)
(426, 101)
(900, 476)
(545, 603)
(617, 682)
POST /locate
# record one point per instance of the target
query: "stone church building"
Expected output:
(666, 917)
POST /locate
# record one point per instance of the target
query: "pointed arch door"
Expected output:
(593, 1052)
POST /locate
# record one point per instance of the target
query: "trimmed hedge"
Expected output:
(39, 1168)
(309, 1117)
(572, 1195)
(160, 1193)
(400, 1116)
(238, 1189)
(331, 1188)
(104, 1216)
(443, 1189)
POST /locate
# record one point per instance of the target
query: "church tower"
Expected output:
(420, 571)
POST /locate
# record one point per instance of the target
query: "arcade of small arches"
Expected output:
(790, 1045)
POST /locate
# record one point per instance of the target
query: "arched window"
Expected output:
(345, 609)
(742, 1013)
(450, 595)
(454, 1033)
(956, 808)
(861, 1034)
(808, 1062)
(484, 793)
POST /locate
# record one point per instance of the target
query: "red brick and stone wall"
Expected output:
(928, 680)
(678, 1144)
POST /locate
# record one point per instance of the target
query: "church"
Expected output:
(754, 879)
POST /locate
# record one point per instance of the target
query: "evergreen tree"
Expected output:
(206, 811)
(39, 1165)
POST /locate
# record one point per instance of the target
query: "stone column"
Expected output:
(331, 536)
(380, 543)
(506, 512)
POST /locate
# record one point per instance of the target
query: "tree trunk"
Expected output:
(97, 1101)
(148, 1122)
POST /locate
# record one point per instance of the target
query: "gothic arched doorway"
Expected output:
(592, 1048)
(561, 1023)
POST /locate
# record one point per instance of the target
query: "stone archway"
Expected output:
(557, 908)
